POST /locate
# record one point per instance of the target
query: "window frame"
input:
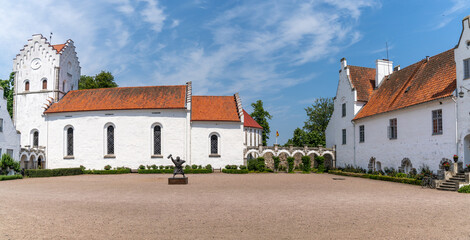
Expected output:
(218, 154)
(26, 86)
(436, 116)
(1, 124)
(66, 142)
(152, 140)
(393, 128)
(466, 69)
(34, 139)
(344, 136)
(44, 81)
(107, 153)
(343, 110)
(362, 133)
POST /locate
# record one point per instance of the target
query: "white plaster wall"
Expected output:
(462, 52)
(230, 143)
(253, 137)
(69, 69)
(344, 94)
(133, 138)
(9, 138)
(415, 139)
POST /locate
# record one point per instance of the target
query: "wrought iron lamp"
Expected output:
(461, 93)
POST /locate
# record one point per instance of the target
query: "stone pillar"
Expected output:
(260, 148)
(276, 147)
(305, 148)
(291, 148)
(454, 168)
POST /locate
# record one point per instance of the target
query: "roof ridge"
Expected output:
(98, 89)
(360, 66)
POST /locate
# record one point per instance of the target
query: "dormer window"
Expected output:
(26, 86)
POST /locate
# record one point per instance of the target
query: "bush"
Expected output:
(231, 167)
(242, 167)
(194, 166)
(10, 177)
(306, 163)
(53, 172)
(377, 177)
(209, 167)
(107, 167)
(162, 167)
(154, 166)
(235, 171)
(187, 167)
(282, 168)
(199, 167)
(167, 167)
(82, 167)
(119, 170)
(290, 162)
(276, 163)
(8, 162)
(401, 175)
(464, 189)
(142, 167)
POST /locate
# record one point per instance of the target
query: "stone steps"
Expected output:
(453, 183)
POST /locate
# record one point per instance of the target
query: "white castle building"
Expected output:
(404, 118)
(63, 127)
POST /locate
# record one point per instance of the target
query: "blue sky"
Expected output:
(285, 53)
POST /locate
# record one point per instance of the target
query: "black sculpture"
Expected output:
(178, 165)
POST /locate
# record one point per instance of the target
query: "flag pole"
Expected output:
(277, 135)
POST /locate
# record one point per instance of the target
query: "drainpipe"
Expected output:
(354, 142)
(456, 126)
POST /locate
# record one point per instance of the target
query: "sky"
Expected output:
(285, 53)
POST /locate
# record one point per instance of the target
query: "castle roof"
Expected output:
(249, 121)
(363, 80)
(122, 98)
(421, 82)
(214, 108)
(58, 47)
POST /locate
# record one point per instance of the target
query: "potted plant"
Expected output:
(456, 158)
(446, 166)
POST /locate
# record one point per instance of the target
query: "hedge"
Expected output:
(377, 177)
(10, 177)
(235, 171)
(53, 172)
(186, 171)
(119, 171)
(464, 189)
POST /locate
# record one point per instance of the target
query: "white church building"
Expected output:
(64, 127)
(404, 118)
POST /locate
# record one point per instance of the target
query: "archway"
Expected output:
(406, 165)
(298, 159)
(312, 159)
(268, 159)
(32, 159)
(23, 161)
(328, 161)
(283, 159)
(40, 163)
(466, 151)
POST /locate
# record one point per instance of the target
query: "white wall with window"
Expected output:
(132, 134)
(412, 137)
(230, 138)
(9, 137)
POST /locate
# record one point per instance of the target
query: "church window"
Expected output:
(214, 140)
(437, 122)
(466, 68)
(44, 84)
(344, 136)
(110, 140)
(361, 133)
(343, 108)
(26, 86)
(1, 125)
(35, 139)
(157, 140)
(70, 141)
(393, 129)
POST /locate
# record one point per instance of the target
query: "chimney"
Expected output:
(383, 67)
(344, 64)
(397, 68)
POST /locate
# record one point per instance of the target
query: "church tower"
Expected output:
(44, 73)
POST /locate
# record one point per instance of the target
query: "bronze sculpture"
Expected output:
(178, 165)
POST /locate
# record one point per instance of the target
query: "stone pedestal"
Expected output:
(177, 181)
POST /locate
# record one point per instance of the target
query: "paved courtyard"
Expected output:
(222, 206)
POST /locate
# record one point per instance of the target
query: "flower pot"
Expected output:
(456, 159)
(446, 168)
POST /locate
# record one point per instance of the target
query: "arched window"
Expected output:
(26, 86)
(214, 144)
(35, 139)
(110, 139)
(44, 84)
(70, 141)
(157, 140)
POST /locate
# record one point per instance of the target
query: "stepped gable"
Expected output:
(363, 80)
(121, 98)
(249, 121)
(421, 82)
(214, 108)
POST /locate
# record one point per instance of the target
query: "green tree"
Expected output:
(313, 132)
(261, 116)
(100, 80)
(8, 90)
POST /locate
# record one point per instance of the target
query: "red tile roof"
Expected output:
(420, 82)
(214, 108)
(249, 121)
(58, 47)
(122, 98)
(363, 80)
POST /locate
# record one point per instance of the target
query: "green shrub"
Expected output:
(282, 168)
(377, 177)
(119, 170)
(8, 162)
(167, 167)
(82, 167)
(464, 189)
(142, 167)
(306, 163)
(10, 177)
(276, 163)
(154, 166)
(194, 166)
(401, 175)
(320, 164)
(53, 172)
(242, 167)
(290, 162)
(187, 167)
(235, 171)
(107, 167)
(209, 167)
(162, 167)
(252, 164)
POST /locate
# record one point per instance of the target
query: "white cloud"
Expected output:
(451, 13)
(154, 15)
(175, 23)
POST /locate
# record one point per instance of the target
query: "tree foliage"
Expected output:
(8, 90)
(313, 131)
(100, 80)
(261, 116)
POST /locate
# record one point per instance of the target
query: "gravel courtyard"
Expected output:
(223, 206)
